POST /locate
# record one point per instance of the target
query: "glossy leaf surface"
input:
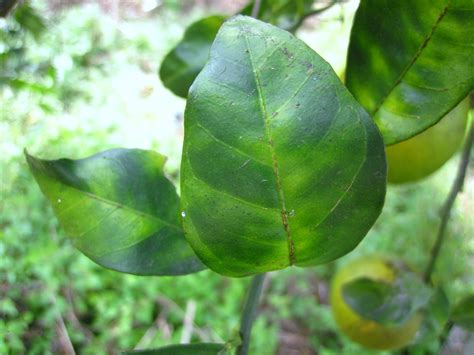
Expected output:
(463, 313)
(411, 62)
(184, 349)
(181, 66)
(387, 303)
(280, 164)
(119, 210)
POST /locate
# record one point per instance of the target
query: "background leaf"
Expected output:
(181, 66)
(463, 313)
(184, 62)
(119, 209)
(411, 62)
(28, 19)
(286, 14)
(387, 303)
(184, 349)
(435, 318)
(280, 164)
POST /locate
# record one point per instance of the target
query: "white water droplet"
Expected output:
(291, 213)
(59, 200)
(183, 214)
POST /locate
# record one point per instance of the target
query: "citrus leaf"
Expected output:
(387, 303)
(119, 210)
(184, 62)
(183, 349)
(280, 164)
(463, 313)
(435, 318)
(411, 62)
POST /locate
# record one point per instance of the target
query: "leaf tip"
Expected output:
(30, 159)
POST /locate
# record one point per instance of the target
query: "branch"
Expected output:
(312, 13)
(256, 8)
(188, 322)
(448, 204)
(248, 314)
(71, 316)
(444, 337)
(64, 341)
(204, 335)
(6, 6)
(159, 324)
(321, 9)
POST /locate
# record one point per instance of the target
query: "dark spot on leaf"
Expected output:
(287, 53)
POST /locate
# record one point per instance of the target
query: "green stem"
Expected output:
(249, 313)
(448, 204)
(445, 335)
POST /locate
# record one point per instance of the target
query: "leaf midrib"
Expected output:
(263, 110)
(121, 206)
(418, 53)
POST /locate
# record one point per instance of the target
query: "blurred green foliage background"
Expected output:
(76, 80)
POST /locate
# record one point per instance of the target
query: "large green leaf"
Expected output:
(463, 313)
(387, 303)
(280, 164)
(411, 62)
(181, 66)
(184, 349)
(120, 210)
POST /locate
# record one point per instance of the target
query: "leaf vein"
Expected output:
(95, 225)
(359, 169)
(226, 193)
(418, 53)
(122, 206)
(211, 135)
(263, 109)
